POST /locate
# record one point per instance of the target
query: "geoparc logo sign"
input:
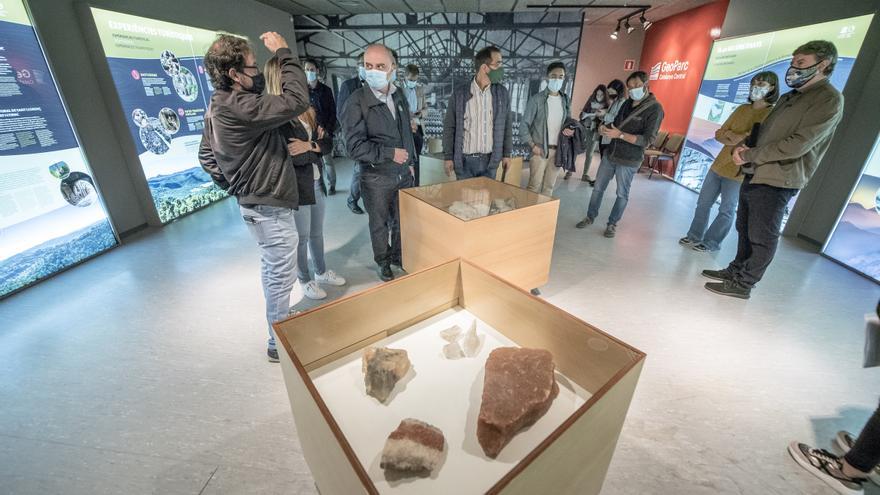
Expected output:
(669, 71)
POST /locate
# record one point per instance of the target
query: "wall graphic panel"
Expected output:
(164, 91)
(51, 216)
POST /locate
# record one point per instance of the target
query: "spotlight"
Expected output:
(616, 31)
(645, 23)
(629, 28)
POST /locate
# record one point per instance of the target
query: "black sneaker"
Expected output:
(397, 262)
(686, 241)
(273, 355)
(355, 208)
(729, 288)
(535, 292)
(610, 230)
(567, 176)
(332, 191)
(583, 223)
(844, 442)
(385, 273)
(701, 248)
(721, 275)
(825, 466)
(586, 178)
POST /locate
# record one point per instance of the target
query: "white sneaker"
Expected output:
(844, 442)
(312, 290)
(330, 278)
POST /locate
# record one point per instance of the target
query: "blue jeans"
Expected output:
(713, 186)
(329, 171)
(274, 230)
(310, 227)
(476, 166)
(624, 175)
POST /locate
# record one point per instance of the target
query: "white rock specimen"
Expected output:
(453, 350)
(383, 368)
(414, 447)
(451, 334)
(470, 344)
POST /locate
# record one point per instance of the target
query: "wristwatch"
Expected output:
(620, 136)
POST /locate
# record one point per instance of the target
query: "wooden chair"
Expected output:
(669, 151)
(655, 147)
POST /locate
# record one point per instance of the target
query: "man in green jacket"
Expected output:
(789, 147)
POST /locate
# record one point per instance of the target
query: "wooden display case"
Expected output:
(572, 459)
(517, 245)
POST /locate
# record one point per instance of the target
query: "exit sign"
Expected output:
(629, 65)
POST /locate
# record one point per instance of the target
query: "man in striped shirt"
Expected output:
(477, 132)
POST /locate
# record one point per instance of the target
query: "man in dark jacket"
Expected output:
(245, 152)
(477, 129)
(345, 90)
(634, 128)
(378, 136)
(791, 143)
(321, 97)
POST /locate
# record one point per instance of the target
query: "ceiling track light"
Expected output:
(629, 26)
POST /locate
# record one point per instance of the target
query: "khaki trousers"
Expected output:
(543, 173)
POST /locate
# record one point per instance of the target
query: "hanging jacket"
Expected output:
(568, 148)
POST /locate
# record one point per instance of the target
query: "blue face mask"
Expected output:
(377, 79)
(362, 73)
(637, 93)
(554, 85)
(311, 76)
(393, 75)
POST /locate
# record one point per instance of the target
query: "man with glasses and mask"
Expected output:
(791, 143)
(477, 129)
(635, 126)
(378, 135)
(542, 122)
(322, 100)
(245, 153)
(415, 96)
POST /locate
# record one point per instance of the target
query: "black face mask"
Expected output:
(258, 83)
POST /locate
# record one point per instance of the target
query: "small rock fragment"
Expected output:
(383, 368)
(470, 345)
(452, 350)
(519, 388)
(451, 334)
(414, 447)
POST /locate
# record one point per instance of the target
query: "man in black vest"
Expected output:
(345, 90)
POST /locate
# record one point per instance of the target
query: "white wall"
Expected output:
(822, 200)
(57, 22)
(600, 59)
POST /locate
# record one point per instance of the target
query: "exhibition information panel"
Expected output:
(732, 64)
(855, 241)
(51, 216)
(164, 91)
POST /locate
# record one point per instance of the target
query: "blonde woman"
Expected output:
(307, 143)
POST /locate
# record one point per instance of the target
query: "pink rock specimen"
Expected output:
(414, 446)
(518, 389)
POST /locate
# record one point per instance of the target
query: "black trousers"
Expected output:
(419, 141)
(865, 454)
(354, 192)
(758, 221)
(380, 200)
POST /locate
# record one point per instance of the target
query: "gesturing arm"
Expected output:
(818, 123)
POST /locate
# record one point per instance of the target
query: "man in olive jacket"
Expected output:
(789, 147)
(244, 151)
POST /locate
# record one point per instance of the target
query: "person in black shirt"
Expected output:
(321, 97)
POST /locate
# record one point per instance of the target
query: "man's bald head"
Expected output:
(378, 57)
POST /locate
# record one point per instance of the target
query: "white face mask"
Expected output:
(377, 79)
(759, 92)
(600, 97)
(554, 85)
(637, 93)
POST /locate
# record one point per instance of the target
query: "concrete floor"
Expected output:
(143, 371)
